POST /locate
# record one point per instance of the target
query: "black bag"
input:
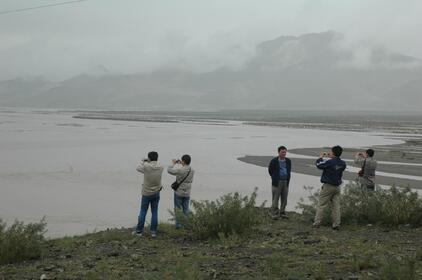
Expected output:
(176, 185)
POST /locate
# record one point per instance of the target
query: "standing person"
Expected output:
(279, 169)
(151, 188)
(368, 165)
(331, 178)
(184, 177)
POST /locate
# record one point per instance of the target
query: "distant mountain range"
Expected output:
(311, 71)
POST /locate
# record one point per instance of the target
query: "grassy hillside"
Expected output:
(278, 249)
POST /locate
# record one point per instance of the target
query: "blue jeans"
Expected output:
(182, 203)
(145, 202)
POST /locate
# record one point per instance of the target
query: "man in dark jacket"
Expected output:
(331, 178)
(279, 169)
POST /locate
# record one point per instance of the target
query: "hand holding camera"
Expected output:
(361, 154)
(176, 161)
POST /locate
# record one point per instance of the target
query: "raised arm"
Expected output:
(359, 160)
(173, 170)
(323, 164)
(141, 167)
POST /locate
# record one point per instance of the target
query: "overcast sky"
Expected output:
(131, 36)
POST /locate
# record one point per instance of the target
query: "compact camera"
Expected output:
(325, 154)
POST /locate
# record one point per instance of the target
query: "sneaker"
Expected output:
(336, 228)
(137, 233)
(153, 234)
(284, 216)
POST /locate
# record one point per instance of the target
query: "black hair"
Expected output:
(186, 159)
(337, 150)
(370, 152)
(281, 148)
(153, 156)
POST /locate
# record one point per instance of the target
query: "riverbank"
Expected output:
(279, 249)
(395, 162)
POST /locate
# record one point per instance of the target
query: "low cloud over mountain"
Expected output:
(312, 71)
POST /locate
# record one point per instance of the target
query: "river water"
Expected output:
(80, 173)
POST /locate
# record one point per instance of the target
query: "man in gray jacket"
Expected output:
(368, 165)
(184, 176)
(151, 188)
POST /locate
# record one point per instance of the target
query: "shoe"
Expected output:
(153, 234)
(274, 217)
(284, 216)
(137, 233)
(336, 228)
(314, 225)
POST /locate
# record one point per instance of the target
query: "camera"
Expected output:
(145, 159)
(178, 161)
(325, 154)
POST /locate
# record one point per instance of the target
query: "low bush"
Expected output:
(228, 215)
(21, 242)
(392, 206)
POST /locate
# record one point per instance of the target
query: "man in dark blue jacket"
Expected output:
(331, 178)
(280, 168)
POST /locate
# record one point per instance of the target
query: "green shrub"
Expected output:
(21, 242)
(392, 207)
(228, 215)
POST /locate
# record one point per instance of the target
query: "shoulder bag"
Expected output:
(176, 185)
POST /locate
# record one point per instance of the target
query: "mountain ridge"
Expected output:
(311, 71)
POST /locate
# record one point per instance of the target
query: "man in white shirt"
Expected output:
(151, 188)
(184, 177)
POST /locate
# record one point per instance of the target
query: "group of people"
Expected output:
(279, 168)
(151, 188)
(332, 167)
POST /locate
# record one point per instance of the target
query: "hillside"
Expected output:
(279, 249)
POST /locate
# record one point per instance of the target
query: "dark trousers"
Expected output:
(181, 203)
(145, 202)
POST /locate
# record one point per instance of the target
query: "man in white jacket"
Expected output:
(151, 188)
(184, 176)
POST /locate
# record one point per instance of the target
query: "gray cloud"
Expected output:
(139, 36)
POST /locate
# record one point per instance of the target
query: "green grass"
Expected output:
(282, 249)
(271, 249)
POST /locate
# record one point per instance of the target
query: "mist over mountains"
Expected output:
(317, 71)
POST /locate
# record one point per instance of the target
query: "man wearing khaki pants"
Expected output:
(331, 178)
